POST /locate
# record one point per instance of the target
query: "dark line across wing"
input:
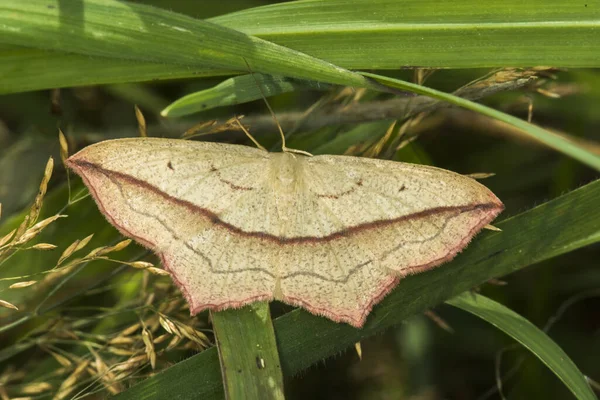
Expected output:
(214, 269)
(214, 218)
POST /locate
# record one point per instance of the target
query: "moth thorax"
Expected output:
(286, 170)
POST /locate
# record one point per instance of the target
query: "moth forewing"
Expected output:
(234, 224)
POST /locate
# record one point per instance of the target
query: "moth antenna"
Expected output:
(249, 135)
(284, 148)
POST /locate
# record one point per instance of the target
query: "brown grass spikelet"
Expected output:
(196, 336)
(33, 231)
(148, 343)
(119, 246)
(83, 242)
(130, 364)
(169, 325)
(69, 384)
(198, 127)
(161, 338)
(141, 121)
(62, 360)
(492, 228)
(6, 304)
(376, 149)
(206, 128)
(20, 285)
(120, 351)
(140, 264)
(22, 228)
(36, 388)
(131, 329)
(121, 340)
(24, 235)
(481, 175)
(11, 374)
(168, 307)
(174, 342)
(47, 221)
(64, 146)
(34, 212)
(158, 271)
(152, 322)
(358, 349)
(101, 251)
(6, 238)
(92, 254)
(73, 247)
(43, 246)
(439, 321)
(182, 330)
(105, 374)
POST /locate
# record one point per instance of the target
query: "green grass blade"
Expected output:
(360, 133)
(390, 34)
(551, 140)
(553, 228)
(243, 88)
(437, 33)
(129, 31)
(24, 69)
(248, 353)
(529, 336)
(238, 90)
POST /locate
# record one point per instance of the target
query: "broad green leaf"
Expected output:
(553, 228)
(529, 336)
(248, 353)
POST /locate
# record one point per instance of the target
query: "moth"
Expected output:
(236, 224)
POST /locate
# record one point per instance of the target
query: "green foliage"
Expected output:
(92, 324)
(529, 336)
(496, 254)
(248, 352)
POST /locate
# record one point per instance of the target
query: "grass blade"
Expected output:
(534, 339)
(238, 90)
(436, 33)
(553, 228)
(553, 141)
(248, 353)
(129, 31)
(389, 34)
(153, 35)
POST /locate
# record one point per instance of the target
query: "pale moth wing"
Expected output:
(235, 224)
